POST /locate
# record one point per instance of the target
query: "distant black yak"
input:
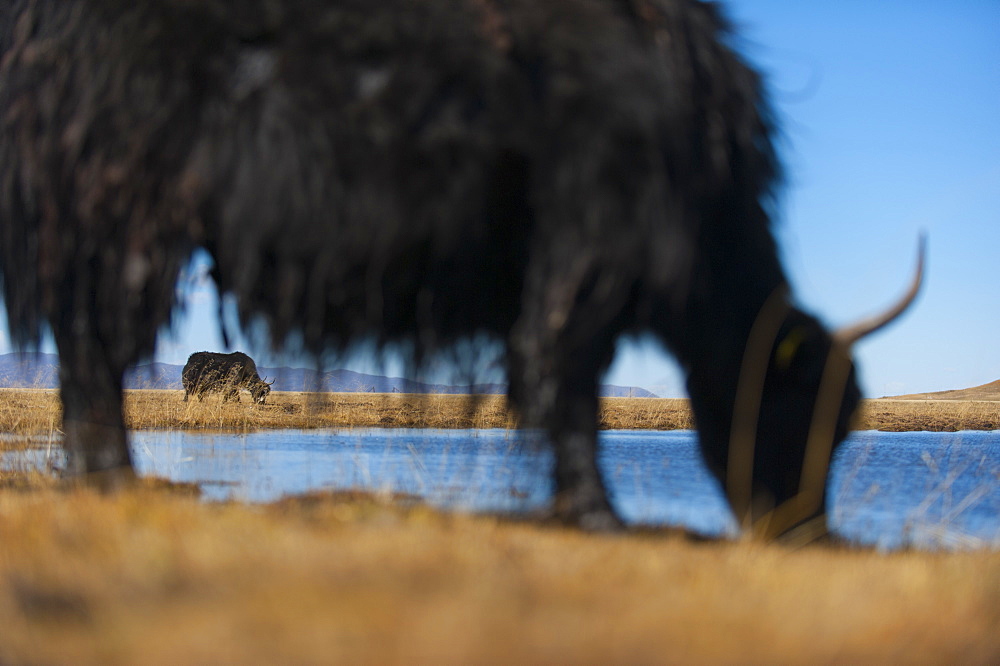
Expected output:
(228, 374)
(549, 174)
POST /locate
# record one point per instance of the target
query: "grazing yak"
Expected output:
(228, 374)
(551, 175)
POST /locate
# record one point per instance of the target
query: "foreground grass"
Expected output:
(156, 577)
(37, 411)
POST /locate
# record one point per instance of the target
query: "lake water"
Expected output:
(889, 490)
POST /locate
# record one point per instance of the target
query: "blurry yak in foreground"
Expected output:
(550, 174)
(228, 374)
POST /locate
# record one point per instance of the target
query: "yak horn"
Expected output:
(848, 335)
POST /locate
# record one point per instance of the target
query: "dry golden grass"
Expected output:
(645, 414)
(37, 411)
(153, 577)
(34, 411)
(29, 411)
(935, 415)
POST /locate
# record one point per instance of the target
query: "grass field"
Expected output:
(153, 575)
(36, 411)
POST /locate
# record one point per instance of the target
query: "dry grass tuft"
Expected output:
(152, 577)
(29, 411)
(645, 414)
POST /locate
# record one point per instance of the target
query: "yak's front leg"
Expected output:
(581, 497)
(554, 380)
(93, 423)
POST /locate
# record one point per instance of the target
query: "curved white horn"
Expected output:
(848, 335)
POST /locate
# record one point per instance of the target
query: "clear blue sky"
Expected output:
(889, 112)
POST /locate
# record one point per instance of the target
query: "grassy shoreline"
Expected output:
(37, 411)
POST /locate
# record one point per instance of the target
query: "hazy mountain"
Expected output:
(28, 370)
(42, 371)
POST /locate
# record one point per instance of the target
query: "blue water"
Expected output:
(889, 490)
(918, 489)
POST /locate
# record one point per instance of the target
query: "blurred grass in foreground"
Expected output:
(154, 576)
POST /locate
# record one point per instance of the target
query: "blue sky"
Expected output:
(889, 112)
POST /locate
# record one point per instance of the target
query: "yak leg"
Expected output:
(554, 385)
(93, 423)
(581, 497)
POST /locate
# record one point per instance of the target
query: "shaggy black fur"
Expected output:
(552, 174)
(212, 372)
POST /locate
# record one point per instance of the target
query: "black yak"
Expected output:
(212, 372)
(552, 175)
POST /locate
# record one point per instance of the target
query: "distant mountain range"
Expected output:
(42, 371)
